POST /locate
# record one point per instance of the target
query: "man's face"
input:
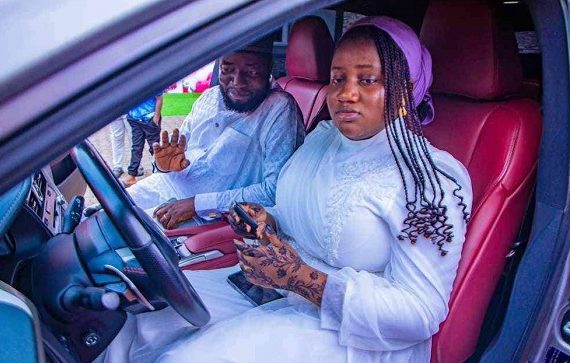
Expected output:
(244, 80)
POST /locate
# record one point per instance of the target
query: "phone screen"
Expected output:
(257, 295)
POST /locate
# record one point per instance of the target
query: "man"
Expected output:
(144, 120)
(117, 130)
(239, 134)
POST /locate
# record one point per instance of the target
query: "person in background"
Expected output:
(145, 121)
(117, 132)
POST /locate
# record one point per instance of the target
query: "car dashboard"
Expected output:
(39, 218)
(46, 202)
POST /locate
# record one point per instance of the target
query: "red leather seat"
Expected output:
(496, 136)
(307, 61)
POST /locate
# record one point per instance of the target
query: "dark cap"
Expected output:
(262, 46)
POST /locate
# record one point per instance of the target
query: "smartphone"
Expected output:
(248, 219)
(243, 215)
(257, 295)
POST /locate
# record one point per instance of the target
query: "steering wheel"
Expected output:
(147, 242)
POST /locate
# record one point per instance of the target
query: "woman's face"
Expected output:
(356, 92)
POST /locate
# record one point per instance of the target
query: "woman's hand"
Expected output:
(277, 265)
(259, 215)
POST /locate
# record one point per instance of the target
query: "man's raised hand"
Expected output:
(169, 156)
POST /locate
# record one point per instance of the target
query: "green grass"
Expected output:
(178, 104)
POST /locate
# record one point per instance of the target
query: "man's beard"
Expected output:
(248, 106)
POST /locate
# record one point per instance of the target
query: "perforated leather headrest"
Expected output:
(310, 50)
(473, 54)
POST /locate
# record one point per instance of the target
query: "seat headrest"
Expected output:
(310, 50)
(473, 54)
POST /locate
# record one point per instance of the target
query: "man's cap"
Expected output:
(262, 46)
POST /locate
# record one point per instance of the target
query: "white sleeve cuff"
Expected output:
(333, 300)
(206, 205)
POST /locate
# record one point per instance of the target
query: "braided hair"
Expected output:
(427, 214)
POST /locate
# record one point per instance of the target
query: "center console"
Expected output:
(205, 247)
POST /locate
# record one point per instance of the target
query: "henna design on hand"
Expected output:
(314, 275)
(279, 266)
(311, 290)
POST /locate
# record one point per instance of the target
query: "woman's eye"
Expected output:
(253, 73)
(336, 80)
(368, 81)
(226, 70)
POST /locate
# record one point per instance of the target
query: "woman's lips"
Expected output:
(347, 115)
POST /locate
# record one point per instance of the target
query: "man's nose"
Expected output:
(239, 79)
(348, 92)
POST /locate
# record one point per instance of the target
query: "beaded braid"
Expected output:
(425, 216)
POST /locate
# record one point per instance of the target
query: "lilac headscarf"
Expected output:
(417, 55)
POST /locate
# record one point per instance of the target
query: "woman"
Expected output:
(371, 221)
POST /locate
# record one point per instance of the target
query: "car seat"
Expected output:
(496, 135)
(307, 61)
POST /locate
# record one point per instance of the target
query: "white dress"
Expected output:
(341, 202)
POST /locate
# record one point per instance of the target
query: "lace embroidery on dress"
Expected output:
(355, 181)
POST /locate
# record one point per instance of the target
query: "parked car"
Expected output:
(71, 67)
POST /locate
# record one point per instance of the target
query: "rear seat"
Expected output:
(307, 61)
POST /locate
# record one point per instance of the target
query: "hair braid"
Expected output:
(426, 216)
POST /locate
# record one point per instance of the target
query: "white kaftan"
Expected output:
(341, 202)
(233, 155)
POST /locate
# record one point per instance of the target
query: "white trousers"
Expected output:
(117, 131)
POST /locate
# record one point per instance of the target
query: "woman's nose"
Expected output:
(348, 92)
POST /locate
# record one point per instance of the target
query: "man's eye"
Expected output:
(253, 73)
(226, 70)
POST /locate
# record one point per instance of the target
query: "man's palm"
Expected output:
(169, 156)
